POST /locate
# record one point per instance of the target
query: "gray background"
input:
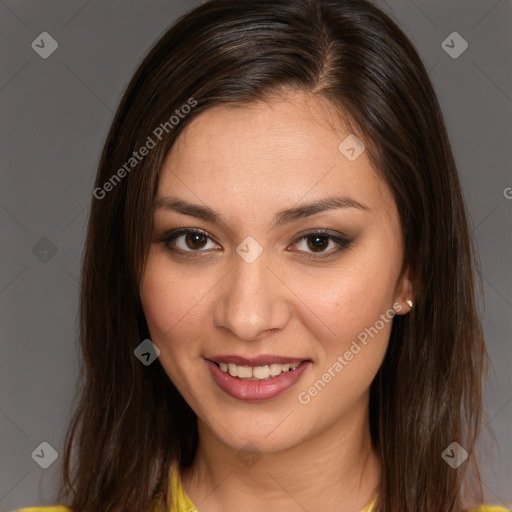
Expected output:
(54, 116)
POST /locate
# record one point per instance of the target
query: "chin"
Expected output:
(256, 432)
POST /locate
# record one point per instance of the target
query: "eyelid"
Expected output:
(341, 240)
(170, 236)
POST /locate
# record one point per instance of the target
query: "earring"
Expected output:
(409, 302)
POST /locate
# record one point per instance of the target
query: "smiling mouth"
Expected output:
(256, 379)
(256, 373)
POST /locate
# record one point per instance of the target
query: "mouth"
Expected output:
(259, 372)
(256, 379)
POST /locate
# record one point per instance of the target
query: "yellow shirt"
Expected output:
(181, 502)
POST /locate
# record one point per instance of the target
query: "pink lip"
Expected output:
(256, 390)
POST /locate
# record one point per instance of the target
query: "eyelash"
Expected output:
(343, 243)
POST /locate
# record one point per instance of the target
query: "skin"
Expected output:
(248, 163)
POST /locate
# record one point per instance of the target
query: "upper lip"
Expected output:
(261, 360)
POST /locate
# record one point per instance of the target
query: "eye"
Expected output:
(321, 243)
(188, 240)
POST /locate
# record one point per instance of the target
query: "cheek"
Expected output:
(348, 299)
(171, 300)
(168, 293)
(352, 337)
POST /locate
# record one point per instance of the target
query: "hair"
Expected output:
(130, 423)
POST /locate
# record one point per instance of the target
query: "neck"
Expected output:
(335, 471)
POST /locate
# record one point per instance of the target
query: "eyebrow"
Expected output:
(283, 217)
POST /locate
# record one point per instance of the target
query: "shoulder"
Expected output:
(55, 508)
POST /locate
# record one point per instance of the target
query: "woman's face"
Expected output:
(293, 259)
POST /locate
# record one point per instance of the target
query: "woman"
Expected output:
(278, 293)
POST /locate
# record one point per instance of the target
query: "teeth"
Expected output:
(260, 372)
(244, 372)
(257, 372)
(274, 369)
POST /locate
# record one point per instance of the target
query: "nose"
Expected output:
(252, 301)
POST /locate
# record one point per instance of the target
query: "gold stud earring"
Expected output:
(409, 302)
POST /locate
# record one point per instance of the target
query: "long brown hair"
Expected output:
(130, 422)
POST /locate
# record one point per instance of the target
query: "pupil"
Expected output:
(194, 240)
(318, 242)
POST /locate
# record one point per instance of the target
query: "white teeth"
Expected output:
(261, 372)
(244, 372)
(274, 369)
(258, 372)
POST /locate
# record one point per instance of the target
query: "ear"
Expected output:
(404, 294)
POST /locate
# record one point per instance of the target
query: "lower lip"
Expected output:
(252, 390)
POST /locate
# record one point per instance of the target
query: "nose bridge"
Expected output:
(252, 301)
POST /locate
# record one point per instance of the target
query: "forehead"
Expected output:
(270, 153)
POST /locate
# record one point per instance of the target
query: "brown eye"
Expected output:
(318, 243)
(195, 240)
(321, 244)
(188, 241)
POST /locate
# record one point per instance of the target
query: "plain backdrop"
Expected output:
(54, 117)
